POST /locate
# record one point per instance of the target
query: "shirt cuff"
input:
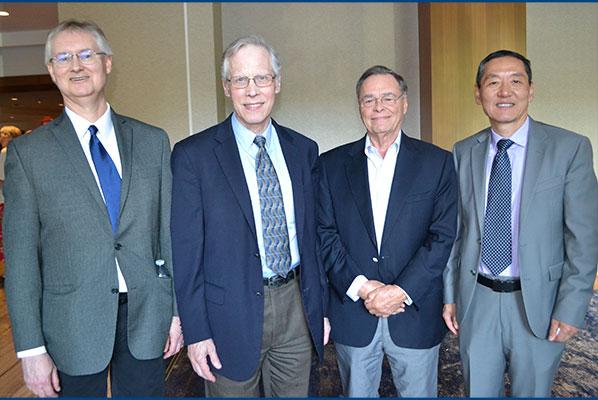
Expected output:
(408, 301)
(353, 290)
(32, 352)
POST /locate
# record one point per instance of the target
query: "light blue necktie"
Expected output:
(108, 176)
(274, 220)
(497, 239)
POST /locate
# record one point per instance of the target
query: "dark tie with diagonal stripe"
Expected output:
(274, 220)
(497, 238)
(108, 176)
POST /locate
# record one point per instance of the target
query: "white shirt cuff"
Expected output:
(408, 301)
(32, 352)
(353, 290)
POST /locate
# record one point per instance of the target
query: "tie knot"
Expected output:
(93, 130)
(504, 144)
(260, 141)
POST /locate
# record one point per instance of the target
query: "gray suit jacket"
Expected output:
(558, 238)
(61, 279)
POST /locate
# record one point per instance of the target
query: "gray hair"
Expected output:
(72, 25)
(10, 130)
(241, 42)
(381, 70)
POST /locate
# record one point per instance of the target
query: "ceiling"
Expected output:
(36, 96)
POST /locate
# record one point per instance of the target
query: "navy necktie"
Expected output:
(274, 220)
(497, 239)
(108, 176)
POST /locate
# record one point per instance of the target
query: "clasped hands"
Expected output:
(382, 300)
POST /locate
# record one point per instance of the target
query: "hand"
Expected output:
(174, 342)
(326, 331)
(449, 314)
(40, 375)
(560, 331)
(198, 354)
(386, 300)
(367, 287)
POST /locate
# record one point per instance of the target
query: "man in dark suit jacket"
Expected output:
(87, 219)
(516, 294)
(250, 289)
(387, 219)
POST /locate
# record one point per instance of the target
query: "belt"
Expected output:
(122, 298)
(500, 285)
(277, 280)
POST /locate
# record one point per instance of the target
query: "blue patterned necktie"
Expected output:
(497, 239)
(274, 220)
(108, 176)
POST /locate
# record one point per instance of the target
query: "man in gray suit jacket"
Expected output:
(87, 237)
(520, 275)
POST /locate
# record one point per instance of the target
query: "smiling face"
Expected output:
(382, 121)
(505, 93)
(80, 84)
(253, 105)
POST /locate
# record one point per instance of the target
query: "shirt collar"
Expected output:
(519, 138)
(245, 136)
(371, 149)
(81, 125)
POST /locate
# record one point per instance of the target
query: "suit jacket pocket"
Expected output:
(214, 294)
(59, 288)
(555, 271)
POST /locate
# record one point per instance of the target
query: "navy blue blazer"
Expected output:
(418, 234)
(217, 269)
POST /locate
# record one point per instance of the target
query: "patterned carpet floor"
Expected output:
(577, 375)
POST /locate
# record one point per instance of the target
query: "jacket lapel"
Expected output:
(124, 138)
(65, 135)
(294, 166)
(227, 154)
(405, 173)
(536, 144)
(357, 176)
(479, 152)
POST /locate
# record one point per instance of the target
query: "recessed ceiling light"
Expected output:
(14, 98)
(12, 117)
(39, 101)
(4, 13)
(60, 105)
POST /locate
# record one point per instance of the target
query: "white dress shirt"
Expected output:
(248, 152)
(107, 136)
(380, 176)
(516, 153)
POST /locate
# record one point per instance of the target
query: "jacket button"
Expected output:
(118, 246)
(257, 255)
(115, 290)
(258, 294)
(375, 259)
(472, 271)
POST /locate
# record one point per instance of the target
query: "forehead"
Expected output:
(73, 41)
(379, 84)
(504, 65)
(250, 58)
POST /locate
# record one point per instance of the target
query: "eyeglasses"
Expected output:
(388, 100)
(241, 82)
(86, 56)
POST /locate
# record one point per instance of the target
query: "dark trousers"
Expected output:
(128, 376)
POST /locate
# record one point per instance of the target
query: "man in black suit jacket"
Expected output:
(387, 219)
(250, 288)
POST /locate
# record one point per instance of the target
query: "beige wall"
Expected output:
(324, 48)
(151, 78)
(562, 44)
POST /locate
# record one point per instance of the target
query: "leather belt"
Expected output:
(501, 286)
(277, 280)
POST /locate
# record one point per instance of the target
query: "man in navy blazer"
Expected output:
(387, 219)
(246, 320)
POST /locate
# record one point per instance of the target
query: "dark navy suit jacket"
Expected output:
(217, 269)
(418, 234)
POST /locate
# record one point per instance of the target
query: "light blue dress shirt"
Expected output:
(248, 152)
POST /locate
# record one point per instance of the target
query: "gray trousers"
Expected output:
(285, 360)
(414, 371)
(496, 331)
